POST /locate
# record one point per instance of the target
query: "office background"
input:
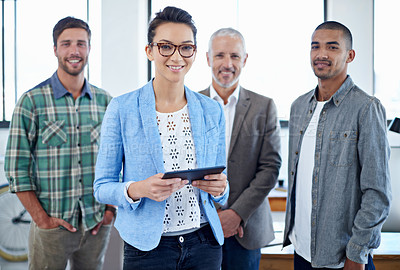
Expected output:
(278, 48)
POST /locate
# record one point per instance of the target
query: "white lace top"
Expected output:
(182, 211)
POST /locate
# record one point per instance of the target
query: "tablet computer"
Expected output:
(194, 174)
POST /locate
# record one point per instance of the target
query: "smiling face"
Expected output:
(329, 54)
(72, 51)
(226, 59)
(171, 69)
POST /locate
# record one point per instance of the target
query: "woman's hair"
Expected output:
(170, 14)
(66, 23)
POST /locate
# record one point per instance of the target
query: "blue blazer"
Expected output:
(130, 142)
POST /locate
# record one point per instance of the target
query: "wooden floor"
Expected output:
(386, 257)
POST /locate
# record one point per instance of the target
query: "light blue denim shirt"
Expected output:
(351, 184)
(130, 141)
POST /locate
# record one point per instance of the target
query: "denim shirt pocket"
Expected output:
(342, 148)
(53, 133)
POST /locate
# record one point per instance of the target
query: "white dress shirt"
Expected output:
(229, 112)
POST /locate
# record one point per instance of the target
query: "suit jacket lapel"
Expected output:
(196, 122)
(242, 107)
(206, 92)
(147, 108)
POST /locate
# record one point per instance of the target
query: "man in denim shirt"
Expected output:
(339, 186)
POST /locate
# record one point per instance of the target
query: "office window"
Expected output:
(28, 44)
(278, 38)
(386, 58)
(7, 56)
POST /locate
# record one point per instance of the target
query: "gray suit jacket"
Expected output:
(253, 165)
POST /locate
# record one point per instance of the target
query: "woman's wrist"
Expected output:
(132, 189)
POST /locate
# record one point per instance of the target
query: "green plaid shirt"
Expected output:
(52, 149)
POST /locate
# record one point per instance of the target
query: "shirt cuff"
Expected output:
(357, 253)
(129, 199)
(221, 195)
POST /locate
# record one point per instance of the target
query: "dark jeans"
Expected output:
(301, 264)
(196, 250)
(234, 256)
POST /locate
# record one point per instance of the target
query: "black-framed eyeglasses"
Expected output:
(167, 49)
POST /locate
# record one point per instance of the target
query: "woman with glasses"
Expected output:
(164, 126)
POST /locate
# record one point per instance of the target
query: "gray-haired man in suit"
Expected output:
(252, 147)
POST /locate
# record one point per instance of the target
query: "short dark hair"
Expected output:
(170, 14)
(66, 23)
(333, 25)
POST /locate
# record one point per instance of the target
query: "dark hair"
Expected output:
(170, 14)
(66, 23)
(333, 25)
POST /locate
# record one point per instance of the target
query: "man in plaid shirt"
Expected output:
(51, 154)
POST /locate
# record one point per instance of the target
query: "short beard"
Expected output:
(323, 76)
(225, 85)
(72, 72)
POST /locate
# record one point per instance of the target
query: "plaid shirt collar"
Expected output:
(60, 91)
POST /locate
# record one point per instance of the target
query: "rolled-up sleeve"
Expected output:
(19, 162)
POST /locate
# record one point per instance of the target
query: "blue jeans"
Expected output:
(234, 256)
(301, 264)
(196, 250)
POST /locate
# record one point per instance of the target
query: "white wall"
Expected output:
(358, 16)
(124, 36)
(3, 140)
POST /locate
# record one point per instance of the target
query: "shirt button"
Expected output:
(79, 162)
(291, 173)
(79, 145)
(205, 202)
(297, 152)
(77, 127)
(181, 239)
